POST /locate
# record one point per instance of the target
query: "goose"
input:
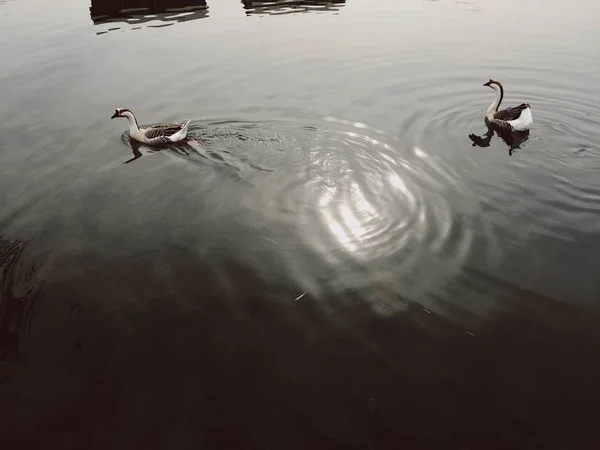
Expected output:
(160, 134)
(516, 118)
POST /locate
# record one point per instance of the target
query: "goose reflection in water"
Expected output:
(513, 139)
(189, 150)
(184, 149)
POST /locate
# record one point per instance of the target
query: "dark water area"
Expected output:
(342, 255)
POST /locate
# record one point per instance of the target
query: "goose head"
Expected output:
(126, 113)
(495, 85)
(122, 112)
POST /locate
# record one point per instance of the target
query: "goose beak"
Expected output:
(116, 114)
(486, 84)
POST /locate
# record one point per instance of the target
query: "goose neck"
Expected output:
(497, 100)
(133, 124)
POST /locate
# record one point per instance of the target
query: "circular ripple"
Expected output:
(353, 191)
(549, 185)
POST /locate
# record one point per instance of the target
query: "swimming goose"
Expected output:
(516, 118)
(160, 134)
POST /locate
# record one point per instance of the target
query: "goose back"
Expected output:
(512, 113)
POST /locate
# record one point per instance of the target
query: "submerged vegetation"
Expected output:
(19, 289)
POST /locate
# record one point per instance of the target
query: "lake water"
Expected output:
(339, 257)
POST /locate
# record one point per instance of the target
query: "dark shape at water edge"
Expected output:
(140, 11)
(19, 290)
(291, 6)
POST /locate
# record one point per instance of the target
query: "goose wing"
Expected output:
(162, 130)
(509, 114)
(159, 141)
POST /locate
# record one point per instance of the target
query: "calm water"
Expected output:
(339, 258)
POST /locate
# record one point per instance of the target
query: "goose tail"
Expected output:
(181, 134)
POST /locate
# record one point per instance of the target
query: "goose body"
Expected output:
(161, 134)
(516, 118)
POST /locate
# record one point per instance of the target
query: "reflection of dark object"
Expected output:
(513, 139)
(18, 293)
(137, 11)
(291, 6)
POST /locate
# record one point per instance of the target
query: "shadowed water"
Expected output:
(341, 255)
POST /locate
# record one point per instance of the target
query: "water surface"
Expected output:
(340, 257)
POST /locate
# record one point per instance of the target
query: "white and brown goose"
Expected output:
(160, 134)
(516, 118)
